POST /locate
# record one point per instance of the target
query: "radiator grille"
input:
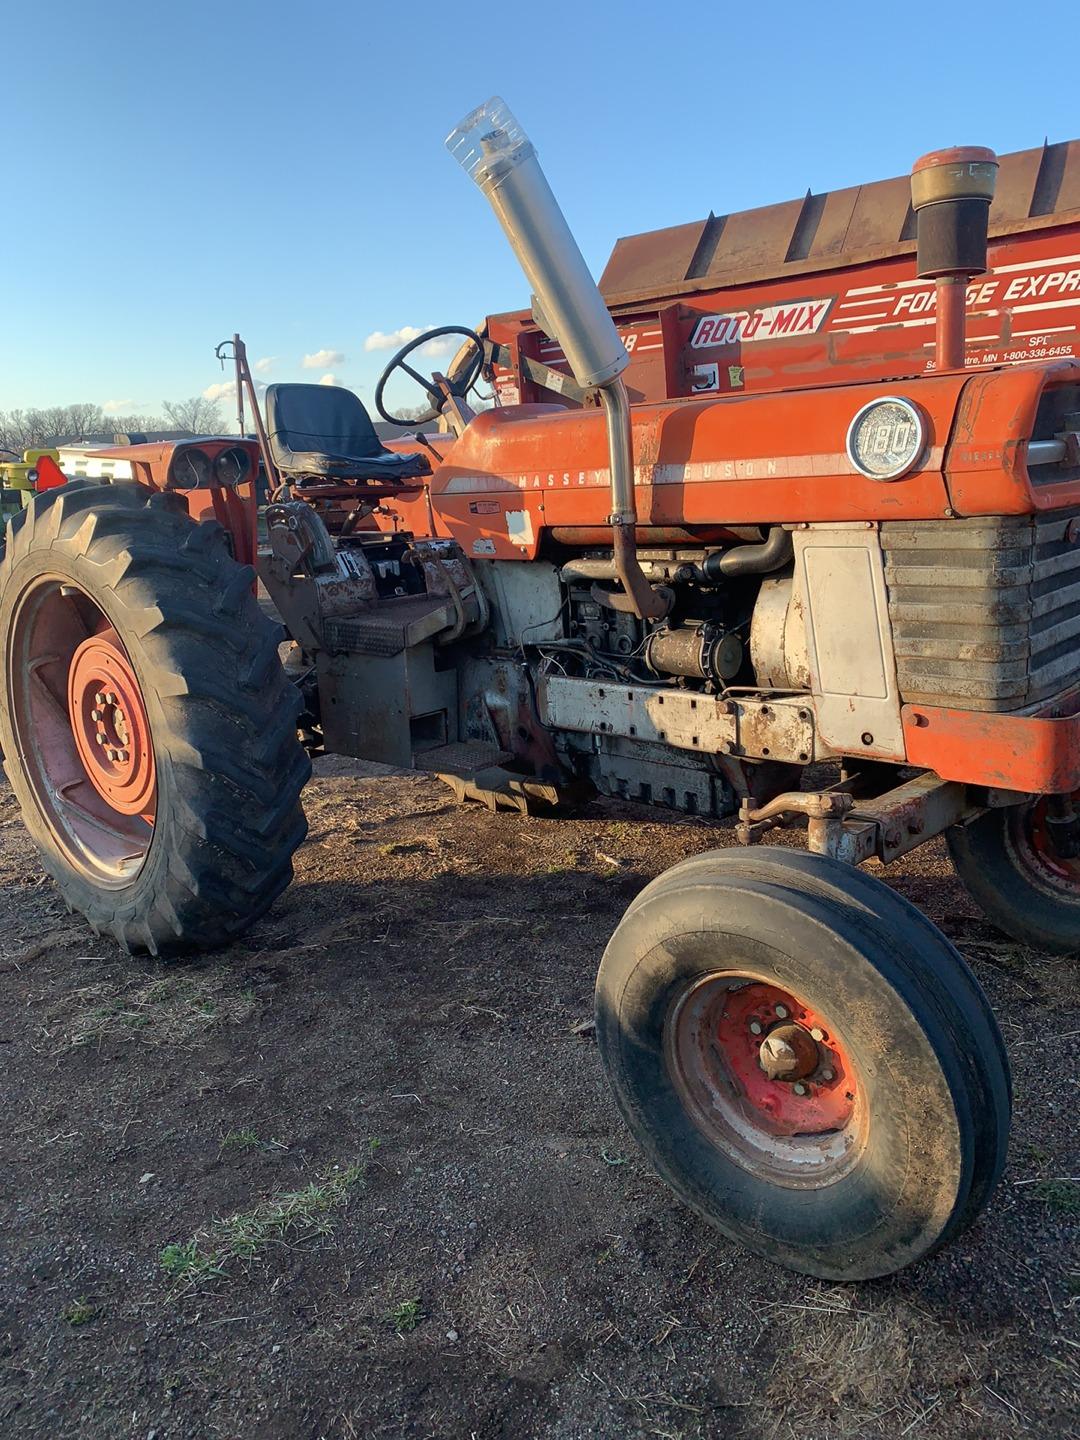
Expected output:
(985, 613)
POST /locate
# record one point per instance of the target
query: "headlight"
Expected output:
(886, 438)
(231, 466)
(190, 469)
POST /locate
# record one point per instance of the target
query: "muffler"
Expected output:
(493, 149)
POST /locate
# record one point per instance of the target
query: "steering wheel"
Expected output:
(460, 385)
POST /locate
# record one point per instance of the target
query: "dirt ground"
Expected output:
(360, 1176)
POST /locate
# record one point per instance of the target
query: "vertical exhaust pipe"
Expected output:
(951, 192)
(494, 151)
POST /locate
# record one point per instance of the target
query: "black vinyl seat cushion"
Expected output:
(323, 430)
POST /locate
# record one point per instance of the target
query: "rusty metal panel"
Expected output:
(834, 223)
(1068, 193)
(878, 219)
(1015, 189)
(657, 258)
(754, 240)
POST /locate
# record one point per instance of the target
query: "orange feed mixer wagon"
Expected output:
(783, 525)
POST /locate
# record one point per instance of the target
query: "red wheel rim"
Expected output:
(110, 725)
(98, 797)
(1033, 844)
(767, 1078)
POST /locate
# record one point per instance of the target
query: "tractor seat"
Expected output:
(321, 430)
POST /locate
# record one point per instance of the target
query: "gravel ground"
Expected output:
(359, 1176)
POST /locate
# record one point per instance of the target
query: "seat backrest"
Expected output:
(320, 418)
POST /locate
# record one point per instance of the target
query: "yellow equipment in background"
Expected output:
(17, 479)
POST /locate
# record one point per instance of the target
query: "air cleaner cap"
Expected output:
(951, 192)
(966, 172)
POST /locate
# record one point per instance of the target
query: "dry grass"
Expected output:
(851, 1369)
(504, 1305)
(173, 1011)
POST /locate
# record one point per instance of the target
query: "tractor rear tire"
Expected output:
(147, 727)
(1008, 864)
(899, 1132)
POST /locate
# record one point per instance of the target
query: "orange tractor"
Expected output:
(785, 527)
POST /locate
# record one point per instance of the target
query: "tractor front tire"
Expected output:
(805, 1059)
(148, 729)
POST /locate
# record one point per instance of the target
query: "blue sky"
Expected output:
(173, 174)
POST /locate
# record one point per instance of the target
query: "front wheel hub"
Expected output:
(766, 1078)
(788, 1052)
(110, 725)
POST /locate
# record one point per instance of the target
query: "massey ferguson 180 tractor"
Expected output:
(785, 527)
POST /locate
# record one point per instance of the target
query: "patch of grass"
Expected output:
(182, 1261)
(405, 1315)
(853, 1366)
(286, 1218)
(850, 1365)
(1061, 1196)
(173, 1011)
(79, 1312)
(247, 1138)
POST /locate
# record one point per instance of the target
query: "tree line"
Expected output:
(38, 429)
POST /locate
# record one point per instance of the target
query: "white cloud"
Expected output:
(321, 359)
(329, 379)
(117, 407)
(377, 340)
(226, 390)
(444, 345)
(394, 339)
(265, 365)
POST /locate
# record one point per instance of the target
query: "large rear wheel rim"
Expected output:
(90, 763)
(766, 1079)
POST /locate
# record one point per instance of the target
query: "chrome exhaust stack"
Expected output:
(494, 151)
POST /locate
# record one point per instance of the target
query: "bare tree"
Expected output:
(85, 420)
(22, 430)
(60, 424)
(197, 416)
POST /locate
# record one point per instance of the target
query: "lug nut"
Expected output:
(800, 1088)
(99, 698)
(828, 1075)
(97, 714)
(817, 1034)
(100, 737)
(110, 698)
(122, 756)
(755, 1027)
(782, 1012)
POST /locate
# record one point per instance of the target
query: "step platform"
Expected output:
(476, 772)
